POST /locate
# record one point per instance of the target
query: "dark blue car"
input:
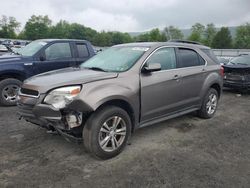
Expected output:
(37, 57)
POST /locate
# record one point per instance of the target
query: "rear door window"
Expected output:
(188, 58)
(82, 50)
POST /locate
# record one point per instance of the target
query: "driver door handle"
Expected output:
(28, 64)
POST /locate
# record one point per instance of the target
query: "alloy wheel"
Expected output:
(211, 104)
(112, 134)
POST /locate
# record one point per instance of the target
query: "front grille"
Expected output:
(235, 77)
(29, 92)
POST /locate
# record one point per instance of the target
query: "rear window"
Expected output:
(210, 54)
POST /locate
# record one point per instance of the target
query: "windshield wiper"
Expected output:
(12, 51)
(96, 69)
(242, 64)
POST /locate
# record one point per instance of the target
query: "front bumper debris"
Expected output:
(40, 115)
(69, 137)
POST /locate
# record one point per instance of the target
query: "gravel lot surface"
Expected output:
(182, 152)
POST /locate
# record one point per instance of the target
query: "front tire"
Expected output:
(209, 104)
(8, 91)
(106, 132)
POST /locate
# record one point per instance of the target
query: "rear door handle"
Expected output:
(176, 76)
(203, 69)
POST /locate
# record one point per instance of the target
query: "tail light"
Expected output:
(222, 71)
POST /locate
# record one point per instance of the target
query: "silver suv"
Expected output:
(126, 87)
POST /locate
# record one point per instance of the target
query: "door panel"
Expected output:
(192, 82)
(160, 94)
(193, 70)
(45, 66)
(160, 90)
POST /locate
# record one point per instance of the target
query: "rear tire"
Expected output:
(8, 91)
(106, 132)
(209, 104)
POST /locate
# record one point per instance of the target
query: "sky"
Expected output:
(132, 15)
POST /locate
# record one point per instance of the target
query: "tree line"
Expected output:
(38, 27)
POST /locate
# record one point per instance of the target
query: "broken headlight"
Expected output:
(60, 97)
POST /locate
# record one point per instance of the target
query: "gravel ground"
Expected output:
(182, 152)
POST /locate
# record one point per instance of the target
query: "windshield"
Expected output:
(115, 59)
(240, 60)
(31, 48)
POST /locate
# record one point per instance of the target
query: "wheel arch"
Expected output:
(217, 87)
(123, 104)
(213, 80)
(16, 75)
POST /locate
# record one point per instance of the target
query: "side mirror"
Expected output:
(152, 67)
(42, 58)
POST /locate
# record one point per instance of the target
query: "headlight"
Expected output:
(60, 97)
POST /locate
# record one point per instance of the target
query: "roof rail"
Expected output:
(243, 54)
(184, 41)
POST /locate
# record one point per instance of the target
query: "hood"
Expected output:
(6, 58)
(64, 77)
(237, 68)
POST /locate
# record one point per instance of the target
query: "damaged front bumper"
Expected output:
(67, 122)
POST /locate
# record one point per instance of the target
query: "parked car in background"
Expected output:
(3, 49)
(223, 61)
(121, 89)
(20, 44)
(37, 57)
(8, 42)
(237, 73)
